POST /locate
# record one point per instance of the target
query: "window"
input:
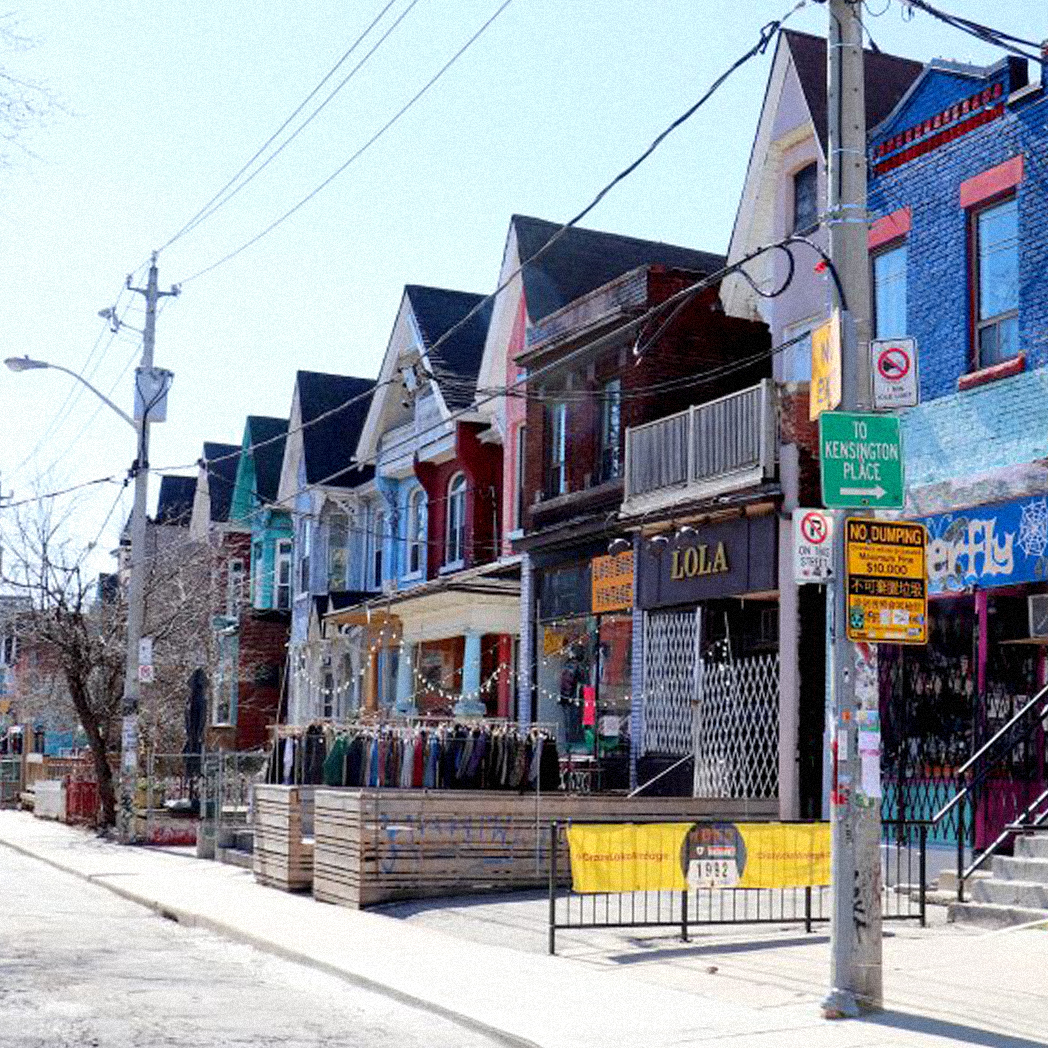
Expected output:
(282, 574)
(416, 536)
(806, 199)
(338, 551)
(556, 449)
(377, 539)
(518, 498)
(455, 544)
(327, 696)
(609, 464)
(224, 710)
(234, 588)
(996, 233)
(257, 576)
(303, 564)
(889, 292)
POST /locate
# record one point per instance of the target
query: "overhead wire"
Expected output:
(987, 34)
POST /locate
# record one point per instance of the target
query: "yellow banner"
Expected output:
(627, 858)
(783, 855)
(825, 392)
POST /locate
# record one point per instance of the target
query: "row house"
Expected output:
(448, 613)
(958, 240)
(334, 507)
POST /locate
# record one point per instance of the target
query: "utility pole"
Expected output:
(137, 584)
(855, 819)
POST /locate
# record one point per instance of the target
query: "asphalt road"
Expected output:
(81, 967)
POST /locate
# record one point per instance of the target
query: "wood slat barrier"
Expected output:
(376, 846)
(283, 845)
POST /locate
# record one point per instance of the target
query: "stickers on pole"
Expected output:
(812, 545)
(894, 367)
(887, 585)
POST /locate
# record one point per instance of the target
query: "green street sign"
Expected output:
(861, 461)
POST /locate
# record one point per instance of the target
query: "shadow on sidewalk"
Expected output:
(957, 1032)
(670, 952)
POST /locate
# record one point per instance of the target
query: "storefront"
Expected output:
(984, 660)
(584, 646)
(708, 684)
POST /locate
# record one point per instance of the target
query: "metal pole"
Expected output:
(856, 959)
(137, 583)
(552, 888)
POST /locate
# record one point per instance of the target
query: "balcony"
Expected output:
(711, 449)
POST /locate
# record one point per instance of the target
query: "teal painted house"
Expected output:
(255, 508)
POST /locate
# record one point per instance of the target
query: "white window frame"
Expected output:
(376, 567)
(455, 522)
(234, 587)
(284, 559)
(303, 560)
(415, 539)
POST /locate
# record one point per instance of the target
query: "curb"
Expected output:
(231, 932)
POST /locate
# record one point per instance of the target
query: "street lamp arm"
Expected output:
(97, 392)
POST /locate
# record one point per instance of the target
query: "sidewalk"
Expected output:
(479, 962)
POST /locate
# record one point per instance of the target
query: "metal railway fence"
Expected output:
(903, 897)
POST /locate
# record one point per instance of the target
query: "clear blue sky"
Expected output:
(163, 102)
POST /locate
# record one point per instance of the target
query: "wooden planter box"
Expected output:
(283, 847)
(375, 846)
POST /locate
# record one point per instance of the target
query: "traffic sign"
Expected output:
(812, 545)
(887, 581)
(146, 674)
(894, 366)
(861, 460)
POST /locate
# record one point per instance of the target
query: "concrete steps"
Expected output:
(1015, 891)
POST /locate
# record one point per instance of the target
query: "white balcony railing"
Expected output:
(712, 448)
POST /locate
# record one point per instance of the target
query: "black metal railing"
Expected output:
(1009, 767)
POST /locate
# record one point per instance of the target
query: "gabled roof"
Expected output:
(175, 501)
(222, 461)
(886, 78)
(329, 445)
(584, 259)
(437, 311)
(271, 434)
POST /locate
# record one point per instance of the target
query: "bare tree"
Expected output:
(25, 103)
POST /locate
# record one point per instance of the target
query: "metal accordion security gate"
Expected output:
(723, 712)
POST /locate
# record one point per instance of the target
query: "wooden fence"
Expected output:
(283, 844)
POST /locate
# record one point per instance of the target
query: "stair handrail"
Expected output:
(966, 787)
(1017, 826)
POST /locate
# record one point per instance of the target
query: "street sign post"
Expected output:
(887, 581)
(894, 367)
(812, 545)
(861, 459)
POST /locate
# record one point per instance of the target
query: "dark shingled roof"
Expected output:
(437, 310)
(175, 502)
(221, 478)
(887, 78)
(261, 429)
(329, 445)
(584, 259)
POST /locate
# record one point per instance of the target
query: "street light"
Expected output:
(161, 381)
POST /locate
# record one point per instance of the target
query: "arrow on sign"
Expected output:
(875, 493)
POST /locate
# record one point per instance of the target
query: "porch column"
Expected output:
(405, 703)
(525, 651)
(505, 668)
(470, 704)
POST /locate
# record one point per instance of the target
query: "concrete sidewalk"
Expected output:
(478, 963)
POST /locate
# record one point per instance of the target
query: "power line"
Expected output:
(360, 152)
(220, 199)
(987, 34)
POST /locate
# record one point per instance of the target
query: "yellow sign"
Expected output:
(612, 582)
(630, 857)
(691, 561)
(825, 392)
(674, 856)
(887, 581)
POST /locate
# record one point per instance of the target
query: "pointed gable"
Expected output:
(221, 462)
(333, 409)
(175, 501)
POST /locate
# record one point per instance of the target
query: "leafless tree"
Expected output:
(25, 103)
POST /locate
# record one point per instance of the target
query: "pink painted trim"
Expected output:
(1007, 368)
(992, 182)
(889, 228)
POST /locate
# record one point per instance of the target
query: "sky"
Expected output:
(159, 105)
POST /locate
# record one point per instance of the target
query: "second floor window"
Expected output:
(416, 534)
(303, 566)
(519, 465)
(806, 199)
(609, 463)
(234, 588)
(338, 551)
(377, 539)
(455, 545)
(282, 574)
(556, 449)
(889, 292)
(257, 575)
(996, 259)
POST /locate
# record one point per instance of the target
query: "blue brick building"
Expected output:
(959, 196)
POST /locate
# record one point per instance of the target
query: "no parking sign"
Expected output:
(894, 369)
(812, 545)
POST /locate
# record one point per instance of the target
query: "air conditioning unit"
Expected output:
(1038, 604)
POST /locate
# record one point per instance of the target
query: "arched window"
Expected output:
(378, 538)
(416, 533)
(455, 540)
